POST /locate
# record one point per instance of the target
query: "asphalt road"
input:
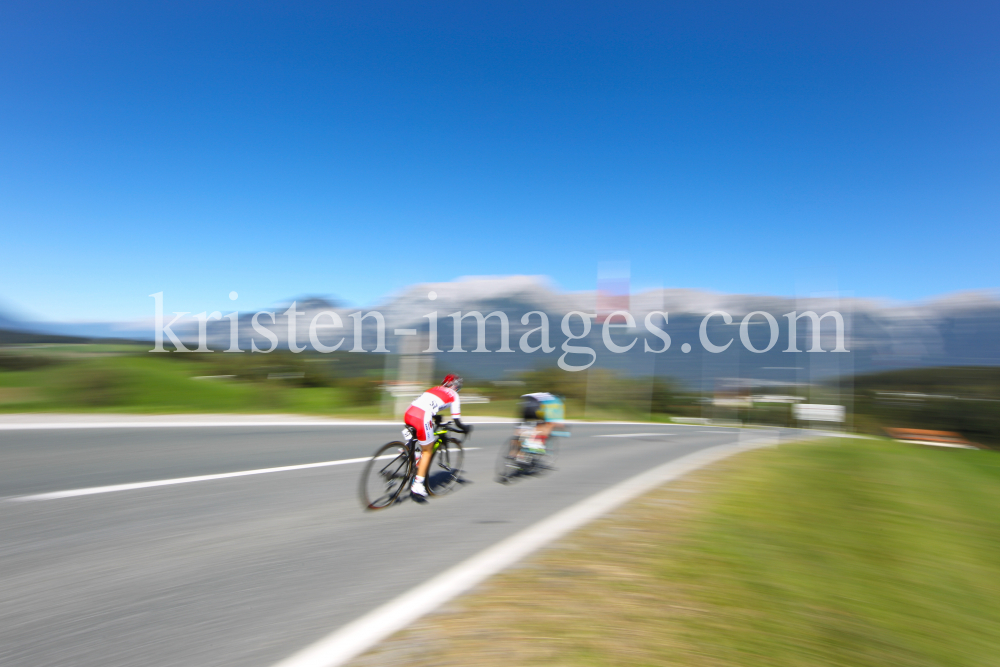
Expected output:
(248, 570)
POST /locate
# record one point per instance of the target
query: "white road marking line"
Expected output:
(631, 435)
(362, 634)
(74, 493)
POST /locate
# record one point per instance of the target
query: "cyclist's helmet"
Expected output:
(452, 382)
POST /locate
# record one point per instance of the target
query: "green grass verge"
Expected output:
(847, 553)
(129, 382)
(128, 379)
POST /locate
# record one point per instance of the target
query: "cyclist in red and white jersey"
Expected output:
(421, 417)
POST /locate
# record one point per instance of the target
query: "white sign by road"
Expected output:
(818, 413)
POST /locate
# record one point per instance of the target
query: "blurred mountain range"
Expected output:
(955, 330)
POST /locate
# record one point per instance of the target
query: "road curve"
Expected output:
(248, 570)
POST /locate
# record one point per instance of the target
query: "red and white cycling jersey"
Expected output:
(427, 405)
(436, 399)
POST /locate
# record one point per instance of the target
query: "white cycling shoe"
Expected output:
(418, 489)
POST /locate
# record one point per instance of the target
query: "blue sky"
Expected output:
(281, 149)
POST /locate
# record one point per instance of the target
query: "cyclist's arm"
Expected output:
(456, 414)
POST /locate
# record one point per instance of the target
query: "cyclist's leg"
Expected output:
(531, 410)
(534, 441)
(422, 424)
(552, 414)
(545, 430)
(426, 448)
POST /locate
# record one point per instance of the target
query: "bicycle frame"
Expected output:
(440, 433)
(441, 430)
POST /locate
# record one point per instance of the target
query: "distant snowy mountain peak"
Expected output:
(955, 329)
(964, 301)
(482, 288)
(472, 293)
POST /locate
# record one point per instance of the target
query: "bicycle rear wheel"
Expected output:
(506, 464)
(446, 466)
(386, 475)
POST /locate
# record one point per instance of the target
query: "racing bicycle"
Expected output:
(391, 470)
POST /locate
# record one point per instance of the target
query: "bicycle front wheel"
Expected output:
(386, 475)
(446, 466)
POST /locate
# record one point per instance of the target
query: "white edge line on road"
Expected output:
(89, 491)
(362, 634)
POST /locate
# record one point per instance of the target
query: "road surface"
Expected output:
(247, 570)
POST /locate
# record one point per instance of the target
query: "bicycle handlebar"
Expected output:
(450, 426)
